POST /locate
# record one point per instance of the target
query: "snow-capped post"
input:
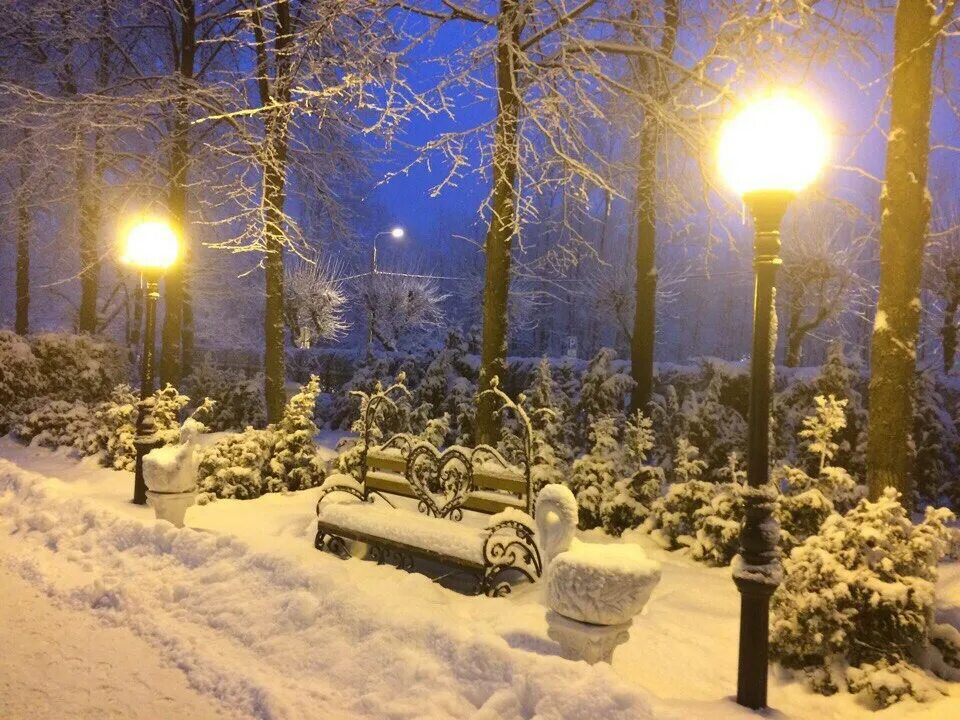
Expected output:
(768, 153)
(151, 245)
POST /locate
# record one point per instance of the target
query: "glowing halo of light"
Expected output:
(779, 142)
(150, 244)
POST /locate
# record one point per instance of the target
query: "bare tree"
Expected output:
(821, 254)
(315, 303)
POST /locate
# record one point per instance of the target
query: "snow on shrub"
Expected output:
(118, 420)
(629, 501)
(593, 475)
(238, 399)
(717, 537)
(294, 463)
(235, 466)
(60, 423)
(856, 604)
(78, 367)
(279, 458)
(602, 393)
(936, 445)
(19, 369)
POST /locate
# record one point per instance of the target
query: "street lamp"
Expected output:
(768, 153)
(151, 246)
(396, 233)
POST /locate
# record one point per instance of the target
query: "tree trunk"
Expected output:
(276, 132)
(89, 251)
(795, 332)
(903, 231)
(644, 335)
(644, 338)
(503, 221)
(188, 336)
(949, 333)
(22, 322)
(171, 351)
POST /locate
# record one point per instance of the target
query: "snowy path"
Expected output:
(261, 622)
(62, 663)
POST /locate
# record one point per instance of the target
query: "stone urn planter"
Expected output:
(593, 591)
(170, 473)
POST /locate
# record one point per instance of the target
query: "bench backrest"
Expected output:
(482, 476)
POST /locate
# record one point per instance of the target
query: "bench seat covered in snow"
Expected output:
(494, 555)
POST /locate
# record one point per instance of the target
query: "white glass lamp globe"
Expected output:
(151, 245)
(397, 233)
(778, 143)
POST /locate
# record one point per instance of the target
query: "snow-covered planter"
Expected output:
(859, 594)
(590, 583)
(170, 474)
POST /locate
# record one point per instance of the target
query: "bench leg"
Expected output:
(318, 540)
(392, 556)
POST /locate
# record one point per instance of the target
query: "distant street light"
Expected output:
(768, 153)
(152, 247)
(396, 233)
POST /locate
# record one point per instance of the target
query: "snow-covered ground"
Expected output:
(246, 619)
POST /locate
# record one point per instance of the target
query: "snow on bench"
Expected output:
(444, 484)
(437, 535)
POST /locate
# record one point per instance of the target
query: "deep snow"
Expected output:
(267, 626)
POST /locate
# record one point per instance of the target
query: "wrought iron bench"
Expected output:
(444, 485)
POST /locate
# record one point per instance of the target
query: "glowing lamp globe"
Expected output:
(776, 144)
(396, 233)
(151, 245)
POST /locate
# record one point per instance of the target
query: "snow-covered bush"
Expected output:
(808, 500)
(603, 391)
(687, 464)
(117, 418)
(859, 594)
(294, 463)
(60, 423)
(238, 399)
(714, 428)
(673, 518)
(78, 367)
(936, 445)
(631, 500)
(235, 466)
(19, 370)
(632, 496)
(717, 526)
(593, 475)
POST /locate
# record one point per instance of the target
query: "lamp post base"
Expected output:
(754, 632)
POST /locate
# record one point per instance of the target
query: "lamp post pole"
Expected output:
(758, 571)
(371, 317)
(146, 438)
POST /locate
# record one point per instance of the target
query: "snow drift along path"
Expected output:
(61, 663)
(273, 639)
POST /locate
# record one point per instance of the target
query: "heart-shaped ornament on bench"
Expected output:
(442, 482)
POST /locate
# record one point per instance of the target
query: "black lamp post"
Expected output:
(768, 153)
(151, 246)
(146, 438)
(757, 572)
